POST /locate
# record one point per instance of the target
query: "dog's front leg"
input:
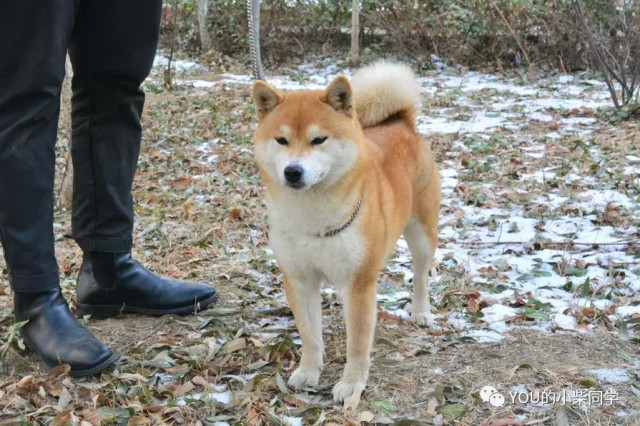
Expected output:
(360, 319)
(306, 303)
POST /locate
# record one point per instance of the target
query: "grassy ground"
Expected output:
(200, 215)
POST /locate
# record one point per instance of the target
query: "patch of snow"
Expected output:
(448, 180)
(631, 170)
(612, 375)
(401, 313)
(292, 421)
(540, 116)
(221, 397)
(437, 62)
(199, 84)
(476, 124)
(578, 120)
(519, 389)
(627, 311)
(565, 322)
(540, 175)
(567, 78)
(484, 336)
(178, 65)
(498, 313)
(598, 199)
(534, 105)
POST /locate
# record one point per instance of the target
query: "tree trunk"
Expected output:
(205, 38)
(355, 33)
(66, 183)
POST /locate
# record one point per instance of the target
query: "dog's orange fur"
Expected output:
(394, 175)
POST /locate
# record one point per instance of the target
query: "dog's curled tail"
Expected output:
(384, 89)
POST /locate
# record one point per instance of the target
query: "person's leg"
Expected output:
(33, 40)
(32, 52)
(112, 51)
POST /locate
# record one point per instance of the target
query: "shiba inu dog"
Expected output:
(346, 174)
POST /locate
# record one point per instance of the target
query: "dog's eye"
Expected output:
(282, 141)
(319, 140)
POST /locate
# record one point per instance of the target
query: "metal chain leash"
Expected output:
(253, 18)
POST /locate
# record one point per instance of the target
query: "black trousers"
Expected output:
(112, 44)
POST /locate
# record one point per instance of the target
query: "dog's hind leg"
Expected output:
(422, 248)
(421, 234)
(306, 303)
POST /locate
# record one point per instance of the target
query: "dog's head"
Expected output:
(305, 139)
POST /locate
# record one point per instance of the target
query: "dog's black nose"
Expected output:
(293, 174)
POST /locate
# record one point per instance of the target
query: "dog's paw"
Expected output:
(346, 389)
(423, 318)
(304, 378)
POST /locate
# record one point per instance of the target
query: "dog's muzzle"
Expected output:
(293, 175)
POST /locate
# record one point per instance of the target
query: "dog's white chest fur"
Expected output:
(305, 255)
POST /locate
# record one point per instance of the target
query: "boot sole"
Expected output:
(107, 311)
(80, 373)
(95, 370)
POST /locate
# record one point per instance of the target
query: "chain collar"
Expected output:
(343, 227)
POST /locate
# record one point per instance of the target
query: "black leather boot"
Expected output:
(55, 335)
(110, 283)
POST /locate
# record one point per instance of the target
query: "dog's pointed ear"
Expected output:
(340, 96)
(266, 98)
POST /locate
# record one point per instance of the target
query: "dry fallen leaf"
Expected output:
(366, 416)
(352, 402)
(139, 421)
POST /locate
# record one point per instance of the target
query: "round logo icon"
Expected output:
(486, 392)
(496, 400)
(490, 394)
